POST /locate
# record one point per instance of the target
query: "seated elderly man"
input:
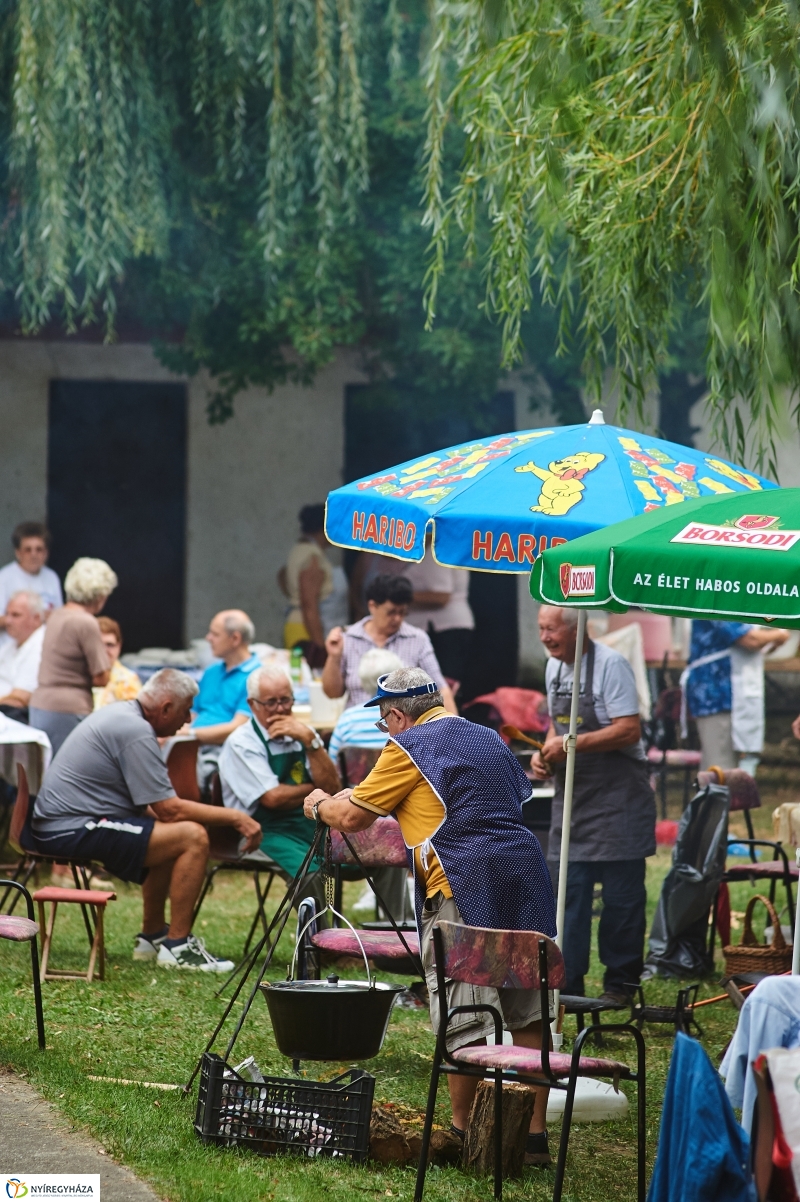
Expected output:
(269, 766)
(20, 653)
(107, 797)
(457, 792)
(221, 704)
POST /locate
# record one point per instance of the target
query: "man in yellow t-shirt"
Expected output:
(457, 793)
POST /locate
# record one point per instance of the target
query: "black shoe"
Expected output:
(615, 999)
(537, 1151)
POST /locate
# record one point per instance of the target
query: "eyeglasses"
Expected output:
(382, 727)
(274, 703)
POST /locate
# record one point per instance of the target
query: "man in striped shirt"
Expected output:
(388, 598)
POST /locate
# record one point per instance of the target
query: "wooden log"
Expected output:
(518, 1102)
(445, 1148)
(387, 1139)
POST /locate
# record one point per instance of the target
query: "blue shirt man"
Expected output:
(221, 704)
(223, 693)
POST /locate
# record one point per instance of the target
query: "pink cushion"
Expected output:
(676, 758)
(742, 789)
(18, 929)
(86, 897)
(379, 846)
(764, 868)
(343, 942)
(527, 1062)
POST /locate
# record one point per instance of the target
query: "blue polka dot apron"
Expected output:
(493, 863)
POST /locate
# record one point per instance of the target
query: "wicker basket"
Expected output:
(751, 956)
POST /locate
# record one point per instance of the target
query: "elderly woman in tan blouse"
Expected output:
(74, 657)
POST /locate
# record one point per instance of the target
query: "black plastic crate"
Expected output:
(284, 1114)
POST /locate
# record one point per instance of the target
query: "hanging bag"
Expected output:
(752, 956)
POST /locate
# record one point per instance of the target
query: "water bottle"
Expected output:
(296, 665)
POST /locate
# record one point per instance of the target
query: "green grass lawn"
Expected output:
(149, 1024)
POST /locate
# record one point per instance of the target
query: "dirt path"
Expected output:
(35, 1138)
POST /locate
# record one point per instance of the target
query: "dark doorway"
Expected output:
(116, 489)
(380, 435)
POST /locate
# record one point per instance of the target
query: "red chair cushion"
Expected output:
(766, 869)
(21, 930)
(86, 897)
(386, 944)
(527, 1062)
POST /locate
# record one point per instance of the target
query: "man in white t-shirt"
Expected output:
(20, 653)
(31, 541)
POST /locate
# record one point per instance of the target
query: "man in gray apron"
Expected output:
(613, 815)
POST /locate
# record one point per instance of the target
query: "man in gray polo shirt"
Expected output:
(614, 812)
(108, 797)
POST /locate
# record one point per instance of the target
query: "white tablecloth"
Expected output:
(21, 744)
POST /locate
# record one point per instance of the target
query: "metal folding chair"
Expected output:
(519, 960)
(25, 930)
(744, 797)
(226, 857)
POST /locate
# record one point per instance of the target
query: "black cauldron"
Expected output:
(329, 1020)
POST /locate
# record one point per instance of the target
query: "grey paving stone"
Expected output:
(34, 1138)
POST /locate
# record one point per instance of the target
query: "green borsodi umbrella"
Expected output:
(735, 558)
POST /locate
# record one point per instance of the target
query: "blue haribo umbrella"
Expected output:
(494, 504)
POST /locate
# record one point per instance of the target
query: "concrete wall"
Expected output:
(247, 479)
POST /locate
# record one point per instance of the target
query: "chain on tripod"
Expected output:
(327, 870)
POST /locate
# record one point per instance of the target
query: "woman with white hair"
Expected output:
(74, 657)
(356, 726)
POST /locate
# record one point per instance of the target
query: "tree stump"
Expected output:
(518, 1101)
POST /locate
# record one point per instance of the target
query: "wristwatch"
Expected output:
(316, 743)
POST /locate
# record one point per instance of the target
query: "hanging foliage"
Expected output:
(622, 154)
(132, 121)
(242, 179)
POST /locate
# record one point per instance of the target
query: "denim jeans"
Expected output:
(622, 921)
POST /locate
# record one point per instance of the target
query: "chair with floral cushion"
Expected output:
(24, 930)
(519, 960)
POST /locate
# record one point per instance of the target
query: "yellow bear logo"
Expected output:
(562, 481)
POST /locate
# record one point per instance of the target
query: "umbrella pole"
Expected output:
(569, 777)
(796, 938)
